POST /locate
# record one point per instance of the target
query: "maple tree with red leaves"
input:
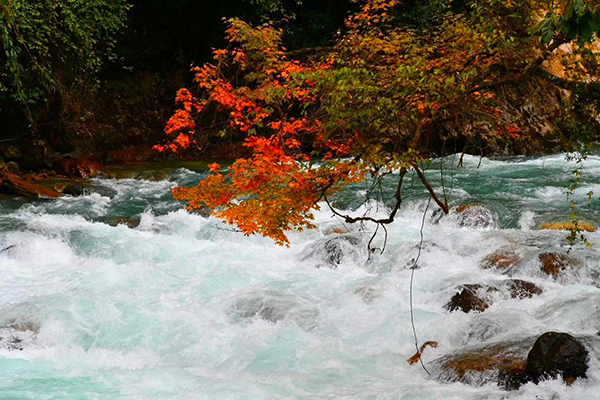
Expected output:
(383, 98)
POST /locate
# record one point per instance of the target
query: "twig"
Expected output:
(412, 277)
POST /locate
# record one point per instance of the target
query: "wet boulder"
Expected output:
(557, 354)
(480, 365)
(501, 260)
(478, 297)
(130, 222)
(476, 216)
(471, 297)
(332, 251)
(514, 363)
(520, 289)
(554, 264)
(77, 187)
(153, 176)
(15, 338)
(273, 307)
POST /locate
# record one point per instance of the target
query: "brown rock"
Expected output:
(501, 259)
(512, 364)
(77, 168)
(472, 297)
(131, 222)
(484, 364)
(521, 289)
(554, 263)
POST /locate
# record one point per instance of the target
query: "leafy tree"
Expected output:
(50, 49)
(384, 98)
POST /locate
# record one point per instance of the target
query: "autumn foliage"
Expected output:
(382, 98)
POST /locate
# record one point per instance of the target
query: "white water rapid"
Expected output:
(179, 307)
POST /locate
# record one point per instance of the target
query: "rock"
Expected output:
(520, 289)
(13, 184)
(512, 364)
(36, 155)
(368, 293)
(479, 365)
(554, 263)
(476, 216)
(555, 354)
(77, 168)
(472, 297)
(501, 259)
(131, 222)
(13, 167)
(478, 297)
(84, 188)
(10, 152)
(274, 307)
(14, 339)
(2, 163)
(153, 176)
(330, 252)
(566, 226)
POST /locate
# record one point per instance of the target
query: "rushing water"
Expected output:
(179, 307)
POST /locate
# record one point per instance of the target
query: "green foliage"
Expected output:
(50, 47)
(579, 20)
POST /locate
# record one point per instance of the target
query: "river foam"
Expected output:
(180, 306)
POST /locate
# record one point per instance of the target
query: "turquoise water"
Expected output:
(179, 307)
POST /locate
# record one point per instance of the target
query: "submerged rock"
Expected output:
(330, 252)
(476, 216)
(478, 297)
(520, 289)
(501, 260)
(12, 338)
(472, 297)
(554, 264)
(274, 307)
(480, 365)
(131, 222)
(514, 363)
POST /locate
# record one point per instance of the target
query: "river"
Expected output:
(179, 306)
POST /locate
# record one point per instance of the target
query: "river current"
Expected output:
(180, 306)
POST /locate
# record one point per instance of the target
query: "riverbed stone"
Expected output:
(511, 364)
(557, 354)
(553, 263)
(472, 297)
(483, 364)
(501, 260)
(520, 289)
(476, 216)
(479, 297)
